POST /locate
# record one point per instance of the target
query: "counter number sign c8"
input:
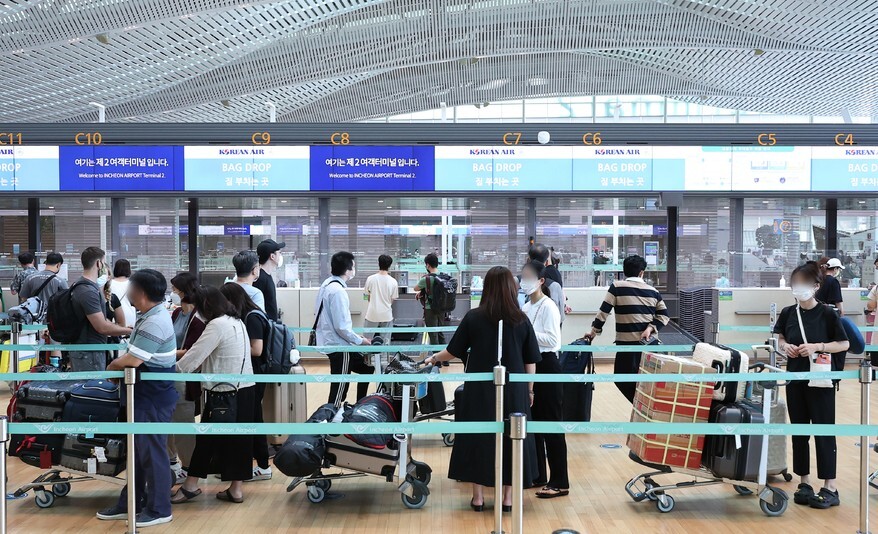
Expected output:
(592, 138)
(340, 138)
(261, 138)
(10, 138)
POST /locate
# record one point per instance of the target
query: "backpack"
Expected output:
(32, 310)
(276, 347)
(64, 317)
(443, 293)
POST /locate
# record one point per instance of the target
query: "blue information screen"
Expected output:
(844, 169)
(120, 168)
(503, 168)
(613, 168)
(29, 168)
(246, 168)
(372, 168)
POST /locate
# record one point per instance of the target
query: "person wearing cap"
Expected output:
(830, 289)
(270, 260)
(34, 286)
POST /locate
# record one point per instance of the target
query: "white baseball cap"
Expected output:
(834, 263)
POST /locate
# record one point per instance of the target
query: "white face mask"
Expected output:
(529, 286)
(175, 299)
(803, 293)
(102, 280)
(353, 273)
(280, 260)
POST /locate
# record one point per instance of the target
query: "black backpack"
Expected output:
(63, 316)
(443, 293)
(275, 348)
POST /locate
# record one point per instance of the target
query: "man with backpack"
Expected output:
(45, 283)
(437, 293)
(26, 259)
(78, 315)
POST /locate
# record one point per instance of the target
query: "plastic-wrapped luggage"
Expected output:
(375, 408)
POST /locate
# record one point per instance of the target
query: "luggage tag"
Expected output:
(100, 454)
(92, 466)
(737, 442)
(45, 459)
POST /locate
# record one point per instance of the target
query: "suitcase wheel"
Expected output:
(448, 440)
(778, 505)
(665, 503)
(61, 490)
(44, 499)
(316, 494)
(743, 490)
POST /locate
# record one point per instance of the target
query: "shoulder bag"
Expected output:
(312, 337)
(820, 362)
(222, 406)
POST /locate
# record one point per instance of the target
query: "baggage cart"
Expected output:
(394, 463)
(56, 482)
(773, 501)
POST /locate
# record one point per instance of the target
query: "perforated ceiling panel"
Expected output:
(346, 60)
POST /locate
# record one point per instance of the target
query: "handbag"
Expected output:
(312, 337)
(222, 406)
(821, 362)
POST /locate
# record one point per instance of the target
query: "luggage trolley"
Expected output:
(773, 501)
(56, 482)
(394, 463)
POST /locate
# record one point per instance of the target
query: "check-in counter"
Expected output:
(751, 306)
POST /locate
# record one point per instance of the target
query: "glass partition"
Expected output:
(154, 234)
(69, 225)
(704, 243)
(857, 247)
(13, 237)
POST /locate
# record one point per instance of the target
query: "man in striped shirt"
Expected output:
(640, 314)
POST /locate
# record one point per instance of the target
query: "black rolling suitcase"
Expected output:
(42, 401)
(577, 396)
(98, 455)
(434, 400)
(722, 454)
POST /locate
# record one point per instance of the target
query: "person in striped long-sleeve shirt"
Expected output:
(640, 314)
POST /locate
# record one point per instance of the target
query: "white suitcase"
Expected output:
(724, 360)
(285, 403)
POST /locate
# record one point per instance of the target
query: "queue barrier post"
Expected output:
(499, 384)
(14, 354)
(4, 438)
(130, 379)
(865, 385)
(517, 433)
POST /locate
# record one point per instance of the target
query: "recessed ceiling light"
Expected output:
(219, 207)
(476, 201)
(389, 207)
(51, 207)
(381, 202)
(137, 207)
(91, 201)
(187, 201)
(573, 202)
(862, 202)
(283, 201)
(765, 202)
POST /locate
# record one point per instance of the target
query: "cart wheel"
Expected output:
(787, 477)
(316, 494)
(448, 440)
(665, 503)
(61, 490)
(415, 502)
(44, 499)
(649, 484)
(422, 472)
(778, 504)
(324, 484)
(743, 490)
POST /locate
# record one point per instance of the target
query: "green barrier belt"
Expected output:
(766, 329)
(94, 347)
(440, 377)
(445, 428)
(390, 329)
(372, 348)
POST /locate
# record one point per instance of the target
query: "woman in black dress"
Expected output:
(475, 342)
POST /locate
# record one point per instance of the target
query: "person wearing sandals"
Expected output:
(548, 396)
(475, 342)
(223, 348)
(809, 330)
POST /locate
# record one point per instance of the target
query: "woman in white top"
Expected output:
(548, 396)
(119, 287)
(223, 348)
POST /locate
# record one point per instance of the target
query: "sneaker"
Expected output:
(180, 476)
(112, 513)
(176, 465)
(260, 474)
(146, 519)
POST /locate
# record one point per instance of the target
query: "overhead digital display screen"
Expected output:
(692, 168)
(844, 168)
(504, 168)
(120, 168)
(29, 168)
(613, 168)
(246, 168)
(372, 168)
(771, 168)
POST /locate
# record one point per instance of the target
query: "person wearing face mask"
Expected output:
(90, 306)
(806, 404)
(432, 318)
(830, 289)
(335, 329)
(247, 271)
(547, 396)
(270, 260)
(187, 329)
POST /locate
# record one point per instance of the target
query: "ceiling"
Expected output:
(349, 60)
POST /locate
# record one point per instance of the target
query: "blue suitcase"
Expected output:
(95, 401)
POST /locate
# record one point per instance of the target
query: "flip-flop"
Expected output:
(183, 495)
(228, 497)
(551, 493)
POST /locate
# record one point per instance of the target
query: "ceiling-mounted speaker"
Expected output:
(670, 199)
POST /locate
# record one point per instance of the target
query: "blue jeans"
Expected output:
(152, 471)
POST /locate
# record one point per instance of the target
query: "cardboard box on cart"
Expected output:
(671, 402)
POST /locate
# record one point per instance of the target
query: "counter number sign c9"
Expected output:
(261, 138)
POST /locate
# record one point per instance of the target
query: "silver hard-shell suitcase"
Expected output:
(344, 453)
(285, 403)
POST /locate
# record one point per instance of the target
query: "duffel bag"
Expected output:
(375, 408)
(300, 455)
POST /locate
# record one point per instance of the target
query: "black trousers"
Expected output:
(812, 405)
(230, 456)
(548, 406)
(345, 363)
(434, 318)
(260, 442)
(627, 363)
